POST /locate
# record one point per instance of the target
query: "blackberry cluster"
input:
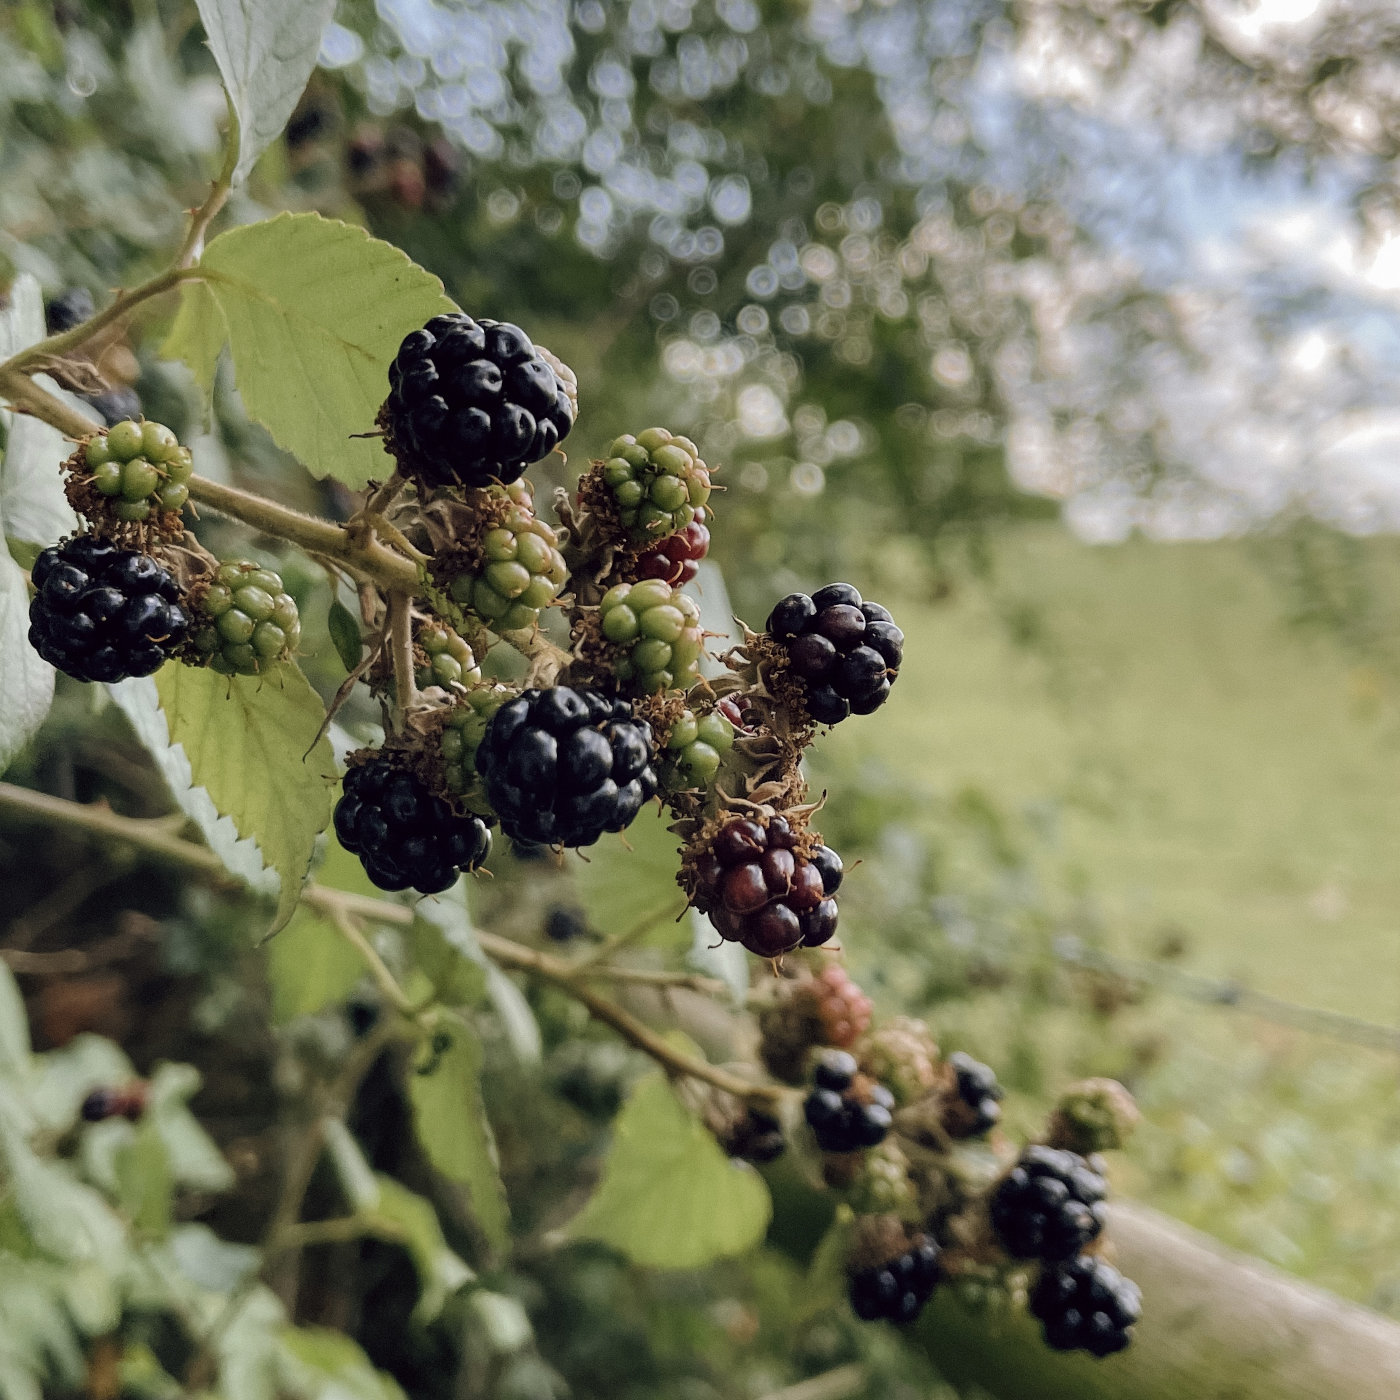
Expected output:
(140, 467)
(128, 1101)
(103, 613)
(695, 745)
(676, 560)
(1049, 1205)
(977, 1109)
(562, 766)
(841, 1009)
(461, 737)
(245, 621)
(1086, 1305)
(449, 659)
(846, 652)
(760, 891)
(845, 1117)
(656, 632)
(405, 836)
(472, 402)
(897, 1291)
(657, 482)
(521, 569)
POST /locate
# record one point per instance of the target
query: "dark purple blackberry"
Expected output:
(841, 1117)
(1049, 1205)
(562, 766)
(68, 309)
(472, 402)
(978, 1094)
(103, 613)
(757, 1137)
(897, 1291)
(1086, 1305)
(405, 836)
(846, 652)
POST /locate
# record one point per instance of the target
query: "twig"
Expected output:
(344, 924)
(192, 249)
(646, 977)
(609, 946)
(401, 652)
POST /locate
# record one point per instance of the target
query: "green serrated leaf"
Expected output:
(669, 1197)
(344, 628)
(440, 1271)
(265, 50)
(624, 881)
(251, 742)
(451, 1123)
(197, 333)
(145, 1184)
(315, 311)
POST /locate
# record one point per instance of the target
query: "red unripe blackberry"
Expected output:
(405, 836)
(472, 403)
(102, 613)
(845, 651)
(843, 1010)
(760, 891)
(1085, 1304)
(564, 765)
(1049, 1205)
(897, 1290)
(676, 560)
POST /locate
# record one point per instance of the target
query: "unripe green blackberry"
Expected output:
(461, 737)
(450, 659)
(882, 1185)
(904, 1056)
(521, 569)
(694, 747)
(656, 631)
(657, 482)
(245, 621)
(139, 467)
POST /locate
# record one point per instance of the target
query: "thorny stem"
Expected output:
(192, 249)
(350, 931)
(504, 951)
(401, 651)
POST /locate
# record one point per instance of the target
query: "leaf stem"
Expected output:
(192, 249)
(344, 923)
(401, 652)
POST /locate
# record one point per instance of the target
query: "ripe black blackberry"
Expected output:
(1049, 1205)
(68, 309)
(756, 1137)
(977, 1109)
(761, 891)
(844, 1116)
(405, 836)
(1086, 1305)
(897, 1290)
(472, 402)
(127, 1101)
(103, 613)
(564, 765)
(845, 651)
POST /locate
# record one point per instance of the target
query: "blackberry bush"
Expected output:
(676, 560)
(244, 620)
(897, 1290)
(139, 468)
(449, 659)
(520, 570)
(472, 402)
(405, 836)
(846, 652)
(655, 634)
(759, 888)
(843, 1113)
(102, 613)
(655, 483)
(695, 747)
(1049, 1205)
(1085, 1304)
(564, 765)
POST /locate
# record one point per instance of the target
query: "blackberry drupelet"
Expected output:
(846, 652)
(564, 765)
(405, 836)
(1085, 1304)
(845, 1117)
(1049, 1205)
(102, 613)
(897, 1291)
(472, 402)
